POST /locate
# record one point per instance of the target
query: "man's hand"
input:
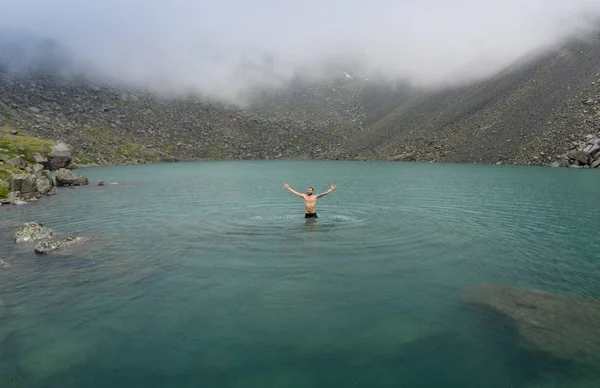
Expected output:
(332, 187)
(286, 185)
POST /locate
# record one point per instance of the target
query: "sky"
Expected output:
(229, 47)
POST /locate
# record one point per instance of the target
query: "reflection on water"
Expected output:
(192, 280)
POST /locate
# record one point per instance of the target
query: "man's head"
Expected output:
(309, 191)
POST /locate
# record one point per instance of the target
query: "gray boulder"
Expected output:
(43, 186)
(24, 184)
(40, 159)
(32, 231)
(563, 326)
(580, 157)
(66, 178)
(45, 247)
(59, 157)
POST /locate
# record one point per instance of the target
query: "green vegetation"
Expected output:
(6, 171)
(82, 160)
(218, 151)
(3, 190)
(25, 145)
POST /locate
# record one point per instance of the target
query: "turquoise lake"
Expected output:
(208, 275)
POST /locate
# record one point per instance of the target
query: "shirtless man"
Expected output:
(310, 199)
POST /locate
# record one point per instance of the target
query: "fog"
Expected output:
(226, 49)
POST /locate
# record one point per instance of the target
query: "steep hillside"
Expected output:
(530, 114)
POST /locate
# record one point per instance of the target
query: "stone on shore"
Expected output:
(32, 231)
(45, 247)
(43, 186)
(66, 178)
(566, 327)
(25, 184)
(59, 157)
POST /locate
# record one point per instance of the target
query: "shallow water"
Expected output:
(207, 274)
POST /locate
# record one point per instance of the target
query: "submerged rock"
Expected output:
(48, 246)
(33, 231)
(66, 177)
(566, 327)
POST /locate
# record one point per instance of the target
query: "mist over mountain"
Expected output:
(230, 50)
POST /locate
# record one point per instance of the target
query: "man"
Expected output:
(310, 199)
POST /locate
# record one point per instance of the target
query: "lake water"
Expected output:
(208, 275)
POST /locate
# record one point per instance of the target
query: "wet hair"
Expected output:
(310, 187)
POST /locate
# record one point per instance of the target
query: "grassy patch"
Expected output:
(16, 145)
(82, 160)
(6, 171)
(3, 190)
(127, 150)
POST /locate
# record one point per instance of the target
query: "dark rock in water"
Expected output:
(101, 183)
(49, 246)
(66, 177)
(33, 231)
(566, 327)
(60, 157)
(4, 264)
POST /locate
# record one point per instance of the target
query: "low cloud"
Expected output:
(229, 48)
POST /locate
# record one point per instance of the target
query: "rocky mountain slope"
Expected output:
(540, 111)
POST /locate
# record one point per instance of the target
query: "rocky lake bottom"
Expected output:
(207, 274)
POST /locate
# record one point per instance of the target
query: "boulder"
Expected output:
(45, 174)
(66, 178)
(43, 185)
(596, 163)
(23, 183)
(100, 183)
(563, 326)
(59, 157)
(579, 156)
(591, 148)
(40, 159)
(33, 231)
(45, 247)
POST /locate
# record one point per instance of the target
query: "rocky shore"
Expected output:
(27, 176)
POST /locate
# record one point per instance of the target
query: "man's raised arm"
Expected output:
(292, 190)
(327, 192)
